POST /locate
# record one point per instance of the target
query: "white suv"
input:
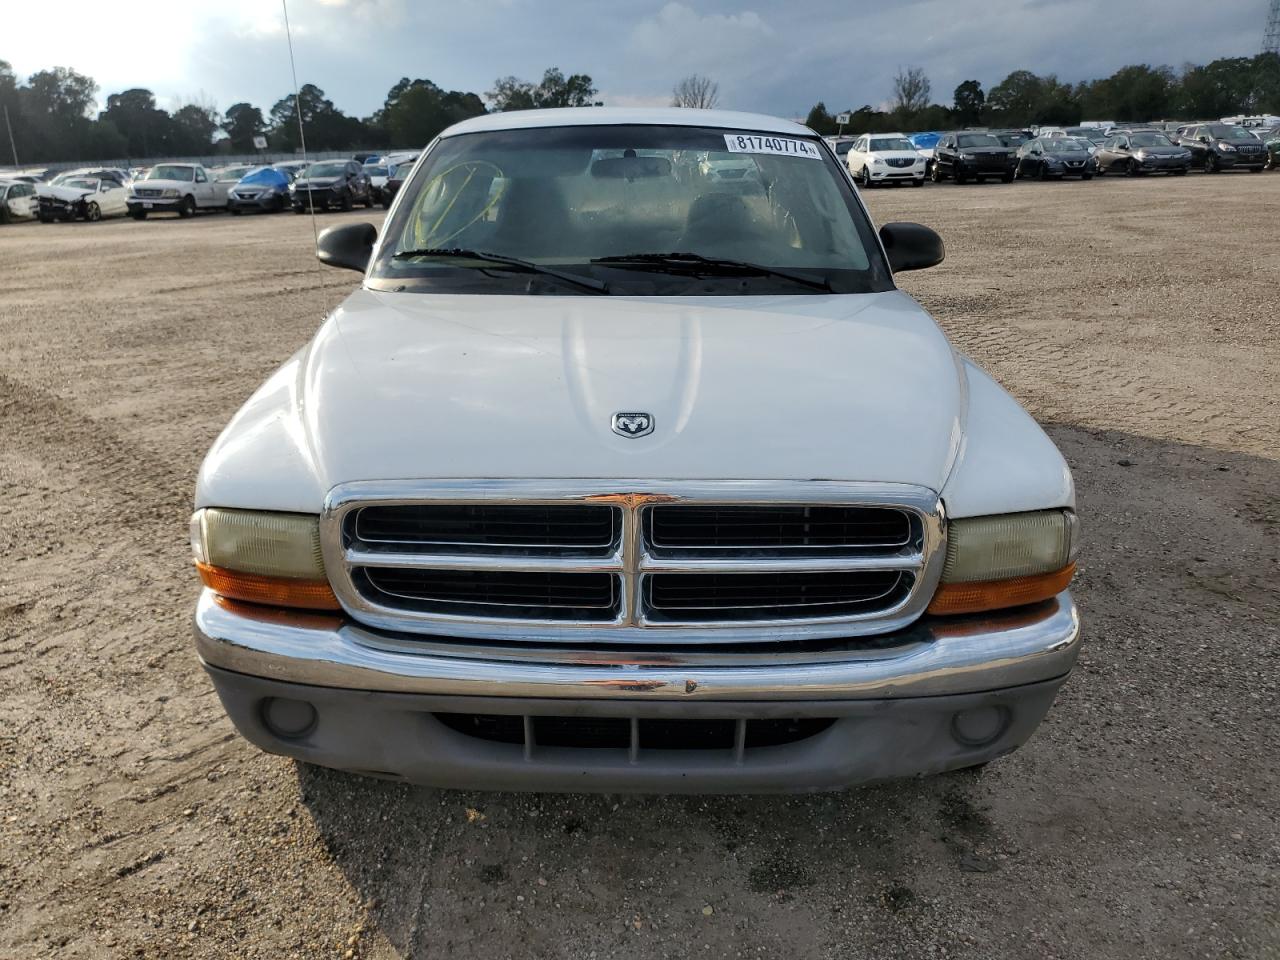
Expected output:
(885, 158)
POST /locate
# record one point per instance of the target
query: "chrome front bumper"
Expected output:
(932, 658)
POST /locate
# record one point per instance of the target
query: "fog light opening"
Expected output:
(288, 719)
(980, 726)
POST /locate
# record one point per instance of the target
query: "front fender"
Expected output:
(262, 460)
(1007, 464)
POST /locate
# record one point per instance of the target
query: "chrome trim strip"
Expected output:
(487, 562)
(900, 561)
(633, 558)
(933, 658)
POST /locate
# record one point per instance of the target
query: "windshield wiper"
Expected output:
(698, 264)
(588, 283)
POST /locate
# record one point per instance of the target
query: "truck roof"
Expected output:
(613, 116)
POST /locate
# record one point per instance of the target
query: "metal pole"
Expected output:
(12, 145)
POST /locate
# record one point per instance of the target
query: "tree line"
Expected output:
(52, 114)
(1225, 87)
(52, 117)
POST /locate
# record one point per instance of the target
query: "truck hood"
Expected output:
(409, 385)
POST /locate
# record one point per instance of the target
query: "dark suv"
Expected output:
(968, 156)
(339, 183)
(1222, 146)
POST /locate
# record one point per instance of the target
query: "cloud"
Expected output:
(771, 56)
(679, 34)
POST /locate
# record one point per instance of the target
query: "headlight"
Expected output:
(261, 557)
(1226, 148)
(966, 156)
(170, 194)
(1006, 561)
(876, 161)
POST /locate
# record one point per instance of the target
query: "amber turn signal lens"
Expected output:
(275, 591)
(953, 598)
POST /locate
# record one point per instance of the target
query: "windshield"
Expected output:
(1223, 131)
(233, 173)
(564, 197)
(1149, 140)
(1063, 145)
(326, 170)
(82, 184)
(843, 147)
(892, 143)
(977, 140)
(169, 171)
(375, 171)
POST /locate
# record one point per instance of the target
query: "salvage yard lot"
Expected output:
(1136, 319)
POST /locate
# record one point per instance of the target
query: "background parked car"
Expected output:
(1138, 152)
(231, 175)
(397, 170)
(1272, 144)
(292, 167)
(377, 174)
(1220, 146)
(17, 201)
(968, 156)
(1059, 157)
(885, 158)
(326, 183)
(181, 188)
(100, 173)
(87, 198)
(265, 190)
(841, 145)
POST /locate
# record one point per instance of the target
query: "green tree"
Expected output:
(1137, 92)
(820, 120)
(243, 122)
(193, 128)
(1023, 98)
(555, 90)
(1230, 85)
(326, 127)
(55, 105)
(969, 101)
(134, 115)
(421, 110)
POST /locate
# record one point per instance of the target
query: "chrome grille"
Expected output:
(900, 161)
(149, 192)
(674, 562)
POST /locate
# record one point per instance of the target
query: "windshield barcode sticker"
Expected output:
(751, 143)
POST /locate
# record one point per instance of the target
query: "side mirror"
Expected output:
(349, 246)
(1203, 139)
(911, 246)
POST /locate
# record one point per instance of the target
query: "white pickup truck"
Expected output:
(181, 188)
(615, 474)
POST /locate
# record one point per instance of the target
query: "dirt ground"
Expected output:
(1137, 319)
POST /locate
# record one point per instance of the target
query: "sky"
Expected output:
(769, 56)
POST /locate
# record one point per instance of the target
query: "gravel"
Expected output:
(1136, 319)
